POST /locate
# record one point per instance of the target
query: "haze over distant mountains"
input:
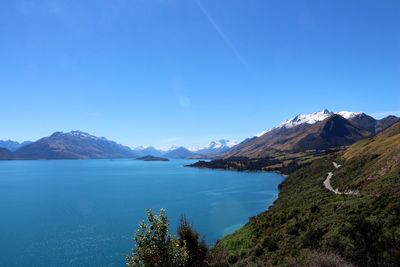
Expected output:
(179, 152)
(217, 147)
(81, 145)
(212, 149)
(13, 145)
(316, 131)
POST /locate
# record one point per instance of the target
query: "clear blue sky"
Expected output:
(184, 72)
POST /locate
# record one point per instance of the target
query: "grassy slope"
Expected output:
(373, 164)
(364, 229)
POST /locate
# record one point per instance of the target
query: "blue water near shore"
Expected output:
(84, 212)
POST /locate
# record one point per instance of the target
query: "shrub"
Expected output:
(197, 249)
(313, 237)
(258, 250)
(154, 245)
(232, 259)
(270, 243)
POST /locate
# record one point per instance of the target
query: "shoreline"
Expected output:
(236, 170)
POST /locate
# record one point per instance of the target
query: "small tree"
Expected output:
(197, 249)
(155, 246)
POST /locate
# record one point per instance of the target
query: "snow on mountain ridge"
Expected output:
(215, 146)
(80, 134)
(220, 144)
(231, 143)
(306, 118)
(348, 114)
(311, 118)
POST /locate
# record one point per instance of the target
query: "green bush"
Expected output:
(155, 246)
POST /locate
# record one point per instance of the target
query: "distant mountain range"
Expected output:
(216, 147)
(180, 153)
(316, 131)
(13, 145)
(73, 145)
(213, 149)
(81, 145)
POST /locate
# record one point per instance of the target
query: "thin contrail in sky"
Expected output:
(223, 35)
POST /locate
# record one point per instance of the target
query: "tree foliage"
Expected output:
(155, 246)
(197, 248)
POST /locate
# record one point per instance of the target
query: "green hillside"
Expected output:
(364, 229)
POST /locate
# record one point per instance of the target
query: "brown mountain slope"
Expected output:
(73, 145)
(384, 143)
(333, 132)
(268, 143)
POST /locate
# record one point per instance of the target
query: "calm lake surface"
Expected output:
(84, 212)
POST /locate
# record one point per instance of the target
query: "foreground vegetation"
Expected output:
(156, 246)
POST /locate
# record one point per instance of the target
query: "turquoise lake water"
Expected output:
(84, 212)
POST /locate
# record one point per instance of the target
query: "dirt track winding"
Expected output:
(327, 183)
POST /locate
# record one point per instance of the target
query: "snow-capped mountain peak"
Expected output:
(216, 147)
(311, 118)
(79, 134)
(300, 119)
(348, 114)
(306, 118)
(221, 143)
